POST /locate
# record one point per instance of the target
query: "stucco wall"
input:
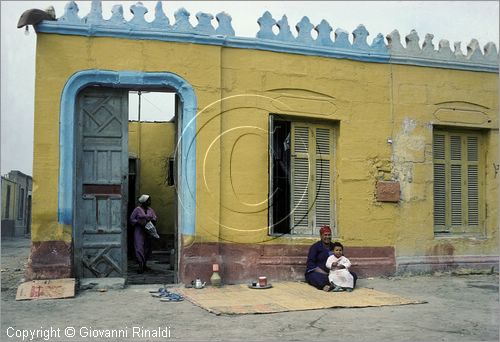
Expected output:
(385, 116)
(349, 95)
(57, 62)
(368, 104)
(153, 143)
(423, 98)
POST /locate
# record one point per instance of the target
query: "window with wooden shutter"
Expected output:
(323, 197)
(311, 165)
(300, 179)
(457, 181)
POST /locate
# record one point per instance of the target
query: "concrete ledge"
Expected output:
(429, 264)
(241, 263)
(101, 283)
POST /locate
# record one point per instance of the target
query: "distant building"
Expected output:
(16, 204)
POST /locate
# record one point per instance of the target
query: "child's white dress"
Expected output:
(342, 277)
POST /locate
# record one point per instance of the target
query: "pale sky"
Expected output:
(451, 20)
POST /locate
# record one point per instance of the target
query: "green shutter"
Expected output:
(300, 180)
(323, 188)
(472, 149)
(472, 195)
(472, 181)
(457, 173)
(301, 139)
(300, 195)
(439, 182)
(312, 180)
(439, 147)
(323, 141)
(456, 180)
(456, 195)
(439, 197)
(456, 147)
(323, 194)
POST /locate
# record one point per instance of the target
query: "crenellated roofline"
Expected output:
(299, 42)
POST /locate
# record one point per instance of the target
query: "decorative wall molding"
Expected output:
(300, 42)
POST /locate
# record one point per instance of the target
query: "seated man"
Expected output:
(316, 270)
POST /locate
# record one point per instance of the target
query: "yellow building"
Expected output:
(395, 147)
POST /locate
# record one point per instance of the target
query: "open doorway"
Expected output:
(105, 93)
(152, 146)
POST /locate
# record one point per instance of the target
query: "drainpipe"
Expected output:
(139, 136)
(139, 122)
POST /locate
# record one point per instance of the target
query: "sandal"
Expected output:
(161, 293)
(161, 289)
(172, 297)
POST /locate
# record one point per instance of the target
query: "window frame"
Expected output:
(8, 193)
(20, 210)
(312, 124)
(450, 229)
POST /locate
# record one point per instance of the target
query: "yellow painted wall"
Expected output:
(152, 143)
(236, 89)
(421, 96)
(57, 61)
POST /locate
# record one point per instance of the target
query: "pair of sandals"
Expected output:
(166, 296)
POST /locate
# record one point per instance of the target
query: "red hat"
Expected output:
(325, 229)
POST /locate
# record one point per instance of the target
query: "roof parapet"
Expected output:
(139, 23)
(444, 53)
(302, 42)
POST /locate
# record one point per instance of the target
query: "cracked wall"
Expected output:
(424, 99)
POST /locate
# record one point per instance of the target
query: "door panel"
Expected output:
(101, 183)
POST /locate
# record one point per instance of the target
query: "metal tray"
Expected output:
(257, 287)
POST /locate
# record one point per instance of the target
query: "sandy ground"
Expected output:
(460, 307)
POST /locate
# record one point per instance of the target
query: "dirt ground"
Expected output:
(460, 307)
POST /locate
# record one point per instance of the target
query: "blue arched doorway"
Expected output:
(186, 166)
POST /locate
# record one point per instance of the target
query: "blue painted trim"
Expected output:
(277, 46)
(374, 53)
(219, 40)
(127, 79)
(409, 60)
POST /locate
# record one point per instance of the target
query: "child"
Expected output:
(340, 277)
